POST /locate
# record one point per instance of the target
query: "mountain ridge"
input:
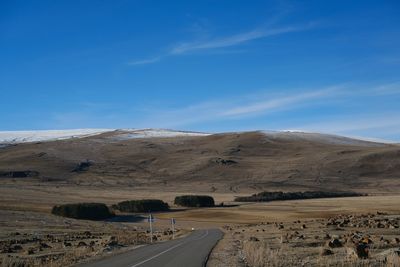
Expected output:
(237, 162)
(14, 137)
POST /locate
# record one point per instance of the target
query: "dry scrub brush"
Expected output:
(259, 254)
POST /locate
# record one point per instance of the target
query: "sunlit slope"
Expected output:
(238, 162)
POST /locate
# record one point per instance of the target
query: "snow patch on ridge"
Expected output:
(14, 137)
(126, 134)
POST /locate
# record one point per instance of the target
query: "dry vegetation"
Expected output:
(342, 240)
(39, 239)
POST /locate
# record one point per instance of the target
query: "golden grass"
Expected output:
(259, 254)
(289, 210)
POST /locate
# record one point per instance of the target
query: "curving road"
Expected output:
(191, 251)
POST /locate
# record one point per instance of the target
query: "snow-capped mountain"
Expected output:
(13, 137)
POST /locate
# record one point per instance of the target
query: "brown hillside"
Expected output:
(238, 162)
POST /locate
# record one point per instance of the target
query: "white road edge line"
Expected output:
(159, 254)
(165, 251)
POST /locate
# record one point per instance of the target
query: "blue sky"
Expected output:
(324, 66)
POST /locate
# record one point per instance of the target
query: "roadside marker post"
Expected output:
(173, 227)
(151, 220)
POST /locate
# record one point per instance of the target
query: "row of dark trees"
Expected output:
(194, 201)
(100, 211)
(86, 211)
(143, 205)
(272, 196)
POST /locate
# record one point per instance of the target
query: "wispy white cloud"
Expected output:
(240, 106)
(145, 61)
(384, 125)
(229, 41)
(276, 103)
(260, 109)
(255, 105)
(355, 123)
(387, 89)
(221, 42)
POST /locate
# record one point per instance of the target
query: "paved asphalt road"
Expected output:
(191, 251)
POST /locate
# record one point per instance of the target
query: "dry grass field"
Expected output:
(26, 210)
(37, 238)
(297, 233)
(335, 241)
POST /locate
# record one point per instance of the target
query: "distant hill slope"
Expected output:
(238, 162)
(15, 137)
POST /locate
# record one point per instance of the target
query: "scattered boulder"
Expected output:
(82, 244)
(366, 240)
(335, 243)
(380, 225)
(113, 243)
(83, 166)
(362, 250)
(222, 161)
(44, 245)
(67, 244)
(301, 237)
(166, 233)
(326, 252)
(327, 236)
(30, 251)
(253, 238)
(87, 233)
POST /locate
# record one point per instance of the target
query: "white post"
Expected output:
(173, 228)
(151, 228)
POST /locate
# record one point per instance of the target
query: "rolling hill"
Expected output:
(226, 162)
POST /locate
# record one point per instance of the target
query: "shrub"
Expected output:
(87, 211)
(144, 205)
(194, 201)
(83, 166)
(19, 174)
(271, 196)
